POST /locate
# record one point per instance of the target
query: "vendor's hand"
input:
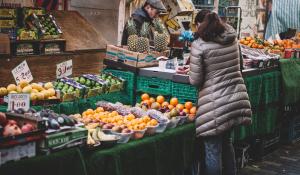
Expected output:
(183, 69)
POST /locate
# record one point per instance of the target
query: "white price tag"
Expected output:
(17, 101)
(64, 69)
(22, 72)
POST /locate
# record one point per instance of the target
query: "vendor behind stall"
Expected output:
(150, 10)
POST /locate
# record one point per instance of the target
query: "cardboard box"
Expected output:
(156, 72)
(133, 59)
(179, 7)
(65, 139)
(112, 52)
(17, 152)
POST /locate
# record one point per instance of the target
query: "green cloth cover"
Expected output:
(290, 71)
(65, 162)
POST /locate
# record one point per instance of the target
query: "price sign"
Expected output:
(17, 101)
(64, 69)
(22, 72)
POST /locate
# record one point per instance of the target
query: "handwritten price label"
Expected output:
(22, 72)
(17, 101)
(64, 69)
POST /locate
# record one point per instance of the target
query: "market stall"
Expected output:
(125, 109)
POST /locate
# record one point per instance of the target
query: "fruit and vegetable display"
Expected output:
(45, 25)
(8, 23)
(69, 89)
(170, 108)
(49, 27)
(8, 13)
(37, 91)
(10, 127)
(147, 118)
(114, 83)
(273, 47)
(27, 34)
(20, 123)
(56, 121)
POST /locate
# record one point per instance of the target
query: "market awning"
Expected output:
(285, 14)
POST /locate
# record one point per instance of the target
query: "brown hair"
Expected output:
(211, 27)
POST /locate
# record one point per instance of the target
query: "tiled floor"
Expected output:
(284, 161)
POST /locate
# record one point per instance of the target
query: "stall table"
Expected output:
(171, 152)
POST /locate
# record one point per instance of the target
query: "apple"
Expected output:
(27, 128)
(12, 122)
(123, 126)
(117, 129)
(11, 130)
(126, 130)
(106, 126)
(3, 120)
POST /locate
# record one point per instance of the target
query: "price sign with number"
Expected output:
(64, 69)
(22, 72)
(17, 101)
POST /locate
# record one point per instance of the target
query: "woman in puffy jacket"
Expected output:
(223, 102)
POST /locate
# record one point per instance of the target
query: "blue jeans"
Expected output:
(218, 148)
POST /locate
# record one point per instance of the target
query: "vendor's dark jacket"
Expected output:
(139, 16)
(223, 101)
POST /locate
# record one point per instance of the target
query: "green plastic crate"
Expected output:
(153, 85)
(254, 89)
(184, 92)
(270, 87)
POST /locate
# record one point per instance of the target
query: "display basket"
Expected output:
(184, 92)
(154, 85)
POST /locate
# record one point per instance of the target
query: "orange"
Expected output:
(246, 42)
(248, 38)
(254, 45)
(160, 99)
(174, 101)
(170, 107)
(242, 41)
(145, 97)
(147, 102)
(89, 111)
(186, 111)
(153, 122)
(99, 109)
(193, 110)
(165, 104)
(152, 100)
(180, 107)
(114, 113)
(188, 105)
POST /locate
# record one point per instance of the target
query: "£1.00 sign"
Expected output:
(22, 72)
(18, 101)
(64, 69)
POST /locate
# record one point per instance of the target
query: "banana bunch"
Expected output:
(95, 136)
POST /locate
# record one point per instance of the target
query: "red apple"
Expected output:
(11, 130)
(12, 122)
(27, 128)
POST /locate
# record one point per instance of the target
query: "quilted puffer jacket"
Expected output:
(223, 101)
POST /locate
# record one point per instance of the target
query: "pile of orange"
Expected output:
(133, 123)
(188, 107)
(254, 43)
(276, 46)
